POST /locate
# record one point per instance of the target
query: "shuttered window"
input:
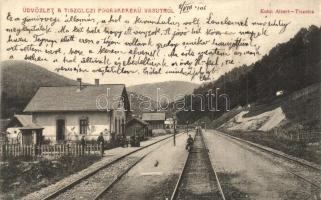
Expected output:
(83, 126)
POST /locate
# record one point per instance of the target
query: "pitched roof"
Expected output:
(158, 116)
(138, 120)
(70, 98)
(24, 121)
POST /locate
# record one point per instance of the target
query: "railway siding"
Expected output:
(110, 157)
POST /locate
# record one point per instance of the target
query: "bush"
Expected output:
(292, 147)
(19, 178)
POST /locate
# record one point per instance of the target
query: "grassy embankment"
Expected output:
(303, 117)
(18, 177)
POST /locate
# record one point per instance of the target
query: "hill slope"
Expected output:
(300, 110)
(140, 103)
(19, 82)
(288, 67)
(169, 88)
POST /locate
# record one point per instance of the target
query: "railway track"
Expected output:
(198, 179)
(316, 187)
(197, 171)
(94, 184)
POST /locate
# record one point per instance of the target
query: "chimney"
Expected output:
(79, 83)
(96, 81)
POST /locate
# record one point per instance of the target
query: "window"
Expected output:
(123, 126)
(83, 126)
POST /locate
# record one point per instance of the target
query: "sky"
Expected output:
(234, 9)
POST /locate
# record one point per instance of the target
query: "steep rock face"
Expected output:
(301, 110)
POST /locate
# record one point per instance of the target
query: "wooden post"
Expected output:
(9, 150)
(29, 150)
(34, 150)
(4, 151)
(67, 149)
(174, 133)
(82, 149)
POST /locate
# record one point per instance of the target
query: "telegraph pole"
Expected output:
(187, 127)
(174, 119)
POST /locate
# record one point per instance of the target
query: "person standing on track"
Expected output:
(189, 142)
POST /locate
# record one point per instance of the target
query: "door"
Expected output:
(27, 137)
(60, 134)
(39, 137)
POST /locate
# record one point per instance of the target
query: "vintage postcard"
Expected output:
(162, 99)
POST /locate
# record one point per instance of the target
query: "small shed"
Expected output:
(154, 119)
(136, 127)
(23, 129)
(3, 130)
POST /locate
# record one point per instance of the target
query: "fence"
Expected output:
(14, 150)
(307, 137)
(301, 136)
